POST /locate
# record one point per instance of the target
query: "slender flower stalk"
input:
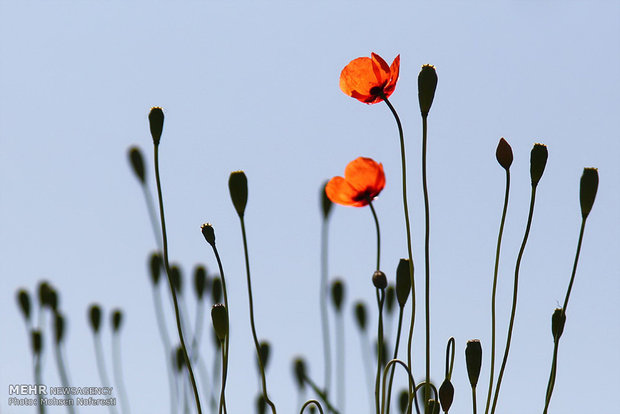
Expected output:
(380, 300)
(316, 404)
(411, 397)
(326, 206)
(36, 342)
(337, 295)
(117, 318)
(59, 329)
(156, 118)
(95, 322)
(538, 161)
(504, 157)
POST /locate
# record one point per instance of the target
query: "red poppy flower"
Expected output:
(365, 78)
(363, 180)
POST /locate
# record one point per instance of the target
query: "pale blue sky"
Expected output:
(254, 86)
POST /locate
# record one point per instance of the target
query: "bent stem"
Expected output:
(494, 293)
(251, 302)
(408, 227)
(556, 345)
(321, 394)
(412, 398)
(315, 402)
(400, 325)
(172, 290)
(514, 298)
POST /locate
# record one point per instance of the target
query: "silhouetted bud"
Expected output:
(326, 203)
(433, 407)
(59, 327)
(427, 83)
(23, 300)
(137, 163)
(179, 358)
(156, 123)
(94, 317)
(200, 281)
(36, 338)
(209, 233)
(558, 319)
(299, 371)
(337, 294)
(503, 153)
(238, 186)
(473, 359)
(538, 161)
(264, 350)
(446, 395)
(587, 190)
(312, 409)
(177, 278)
(379, 280)
(403, 282)
(261, 404)
(384, 351)
(44, 293)
(155, 266)
(403, 401)
(219, 316)
(216, 290)
(52, 300)
(390, 298)
(360, 315)
(117, 319)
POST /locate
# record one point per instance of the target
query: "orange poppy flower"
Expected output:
(365, 78)
(363, 180)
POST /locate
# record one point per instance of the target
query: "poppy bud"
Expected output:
(299, 371)
(52, 299)
(155, 265)
(209, 233)
(59, 327)
(427, 83)
(220, 320)
(200, 281)
(433, 407)
(261, 404)
(337, 294)
(384, 351)
(446, 395)
(360, 315)
(216, 290)
(238, 186)
(379, 280)
(403, 401)
(558, 319)
(137, 163)
(179, 358)
(44, 293)
(390, 298)
(403, 282)
(264, 350)
(177, 278)
(473, 359)
(94, 316)
(23, 300)
(326, 203)
(503, 153)
(36, 339)
(538, 161)
(587, 190)
(117, 319)
(156, 123)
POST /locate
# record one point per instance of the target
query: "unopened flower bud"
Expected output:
(238, 186)
(209, 233)
(326, 203)
(179, 358)
(94, 316)
(36, 341)
(23, 300)
(155, 267)
(44, 293)
(337, 294)
(446, 395)
(587, 190)
(403, 401)
(59, 327)
(156, 123)
(558, 319)
(473, 359)
(503, 153)
(219, 315)
(261, 404)
(200, 281)
(117, 319)
(360, 315)
(137, 163)
(390, 298)
(176, 277)
(299, 371)
(427, 83)
(403, 282)
(379, 280)
(264, 350)
(538, 161)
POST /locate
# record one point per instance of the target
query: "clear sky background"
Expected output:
(254, 86)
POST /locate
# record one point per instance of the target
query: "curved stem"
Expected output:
(398, 330)
(374, 216)
(321, 394)
(315, 402)
(251, 302)
(494, 293)
(450, 358)
(514, 298)
(411, 383)
(172, 290)
(323, 307)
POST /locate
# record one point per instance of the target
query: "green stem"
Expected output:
(105, 382)
(380, 300)
(473, 396)
(222, 408)
(118, 374)
(374, 216)
(315, 402)
(323, 307)
(427, 280)
(64, 379)
(398, 330)
(172, 290)
(159, 316)
(494, 293)
(340, 358)
(554, 362)
(411, 384)
(321, 394)
(408, 227)
(37, 380)
(251, 302)
(514, 298)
